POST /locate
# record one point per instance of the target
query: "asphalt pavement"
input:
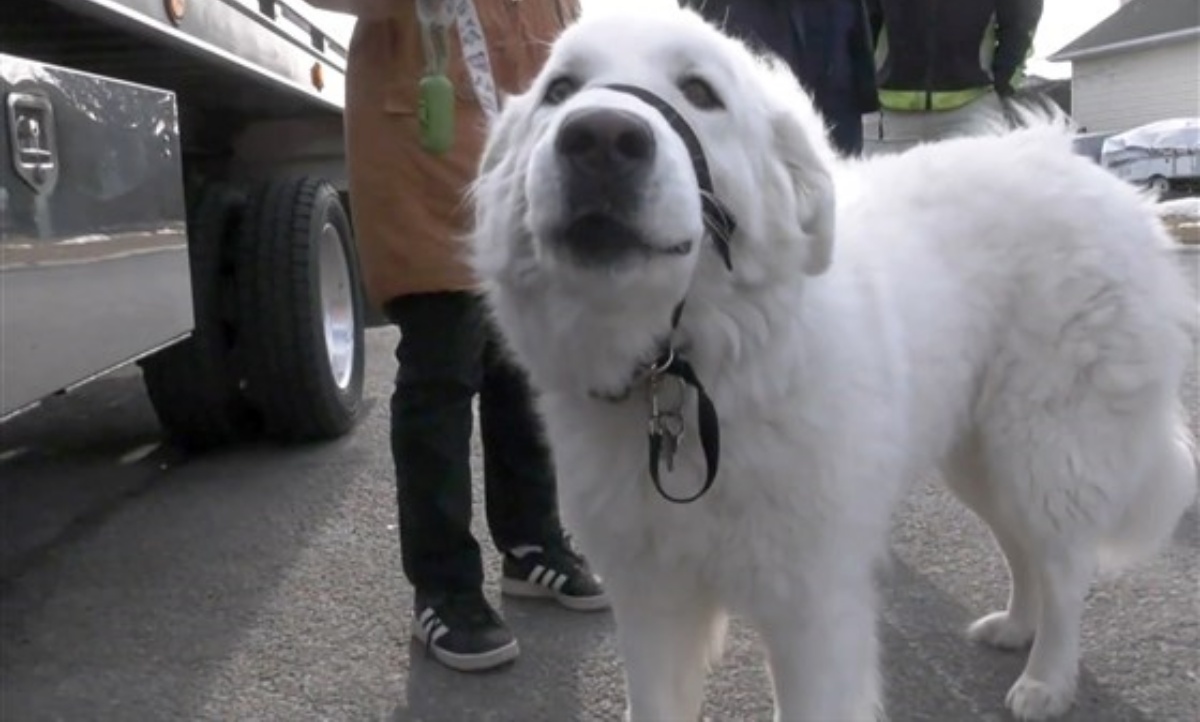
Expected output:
(263, 584)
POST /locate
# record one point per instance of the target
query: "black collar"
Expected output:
(666, 426)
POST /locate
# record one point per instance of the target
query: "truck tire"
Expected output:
(300, 311)
(193, 384)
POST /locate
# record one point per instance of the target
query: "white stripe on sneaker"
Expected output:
(432, 628)
(548, 578)
(438, 632)
(427, 620)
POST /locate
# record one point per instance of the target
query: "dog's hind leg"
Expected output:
(1065, 531)
(1046, 603)
(1012, 627)
(666, 645)
(1045, 496)
(1046, 688)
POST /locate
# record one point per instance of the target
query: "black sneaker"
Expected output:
(463, 632)
(556, 573)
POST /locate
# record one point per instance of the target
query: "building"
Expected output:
(1139, 65)
(1053, 90)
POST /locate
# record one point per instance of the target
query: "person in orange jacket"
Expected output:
(410, 212)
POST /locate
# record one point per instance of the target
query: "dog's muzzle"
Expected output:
(605, 153)
(605, 156)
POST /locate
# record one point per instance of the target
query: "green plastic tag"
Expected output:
(435, 111)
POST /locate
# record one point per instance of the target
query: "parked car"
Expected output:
(1164, 156)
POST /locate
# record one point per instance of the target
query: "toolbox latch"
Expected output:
(32, 140)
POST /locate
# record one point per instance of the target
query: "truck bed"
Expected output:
(119, 117)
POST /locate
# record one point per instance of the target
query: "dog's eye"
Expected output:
(559, 90)
(700, 94)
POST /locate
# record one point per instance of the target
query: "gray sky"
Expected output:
(1062, 22)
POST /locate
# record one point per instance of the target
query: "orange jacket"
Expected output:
(409, 206)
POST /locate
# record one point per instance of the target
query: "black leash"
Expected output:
(666, 427)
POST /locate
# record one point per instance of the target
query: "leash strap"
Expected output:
(670, 363)
(435, 16)
(475, 55)
(721, 224)
(710, 433)
(717, 219)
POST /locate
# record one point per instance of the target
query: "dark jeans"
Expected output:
(448, 353)
(826, 43)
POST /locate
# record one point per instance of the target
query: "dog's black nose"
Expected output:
(600, 142)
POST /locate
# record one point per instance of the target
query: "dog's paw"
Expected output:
(999, 629)
(1031, 700)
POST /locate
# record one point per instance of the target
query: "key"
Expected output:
(671, 428)
(669, 446)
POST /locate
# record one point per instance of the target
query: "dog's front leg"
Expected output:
(822, 650)
(666, 642)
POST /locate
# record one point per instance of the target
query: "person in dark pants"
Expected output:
(448, 355)
(409, 214)
(828, 45)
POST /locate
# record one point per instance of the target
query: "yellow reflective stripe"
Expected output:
(950, 100)
(902, 99)
(914, 100)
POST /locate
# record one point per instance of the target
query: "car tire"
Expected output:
(300, 311)
(193, 384)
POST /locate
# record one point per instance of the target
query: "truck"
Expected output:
(173, 194)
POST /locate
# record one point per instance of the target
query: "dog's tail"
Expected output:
(1032, 113)
(1032, 109)
(1165, 495)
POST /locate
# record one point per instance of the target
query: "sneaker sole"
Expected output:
(472, 662)
(529, 590)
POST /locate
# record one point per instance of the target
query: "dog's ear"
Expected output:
(496, 195)
(504, 129)
(801, 144)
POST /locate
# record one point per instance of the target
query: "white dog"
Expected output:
(996, 308)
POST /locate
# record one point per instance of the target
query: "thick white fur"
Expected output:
(996, 308)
